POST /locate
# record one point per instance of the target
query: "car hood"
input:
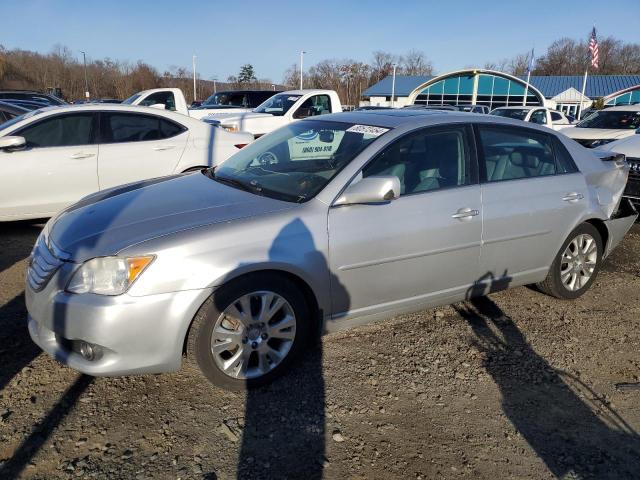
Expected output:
(629, 146)
(579, 133)
(231, 118)
(107, 222)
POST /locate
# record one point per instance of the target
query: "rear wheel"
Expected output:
(576, 265)
(249, 331)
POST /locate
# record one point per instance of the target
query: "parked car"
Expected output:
(279, 110)
(27, 104)
(231, 101)
(604, 126)
(52, 157)
(540, 115)
(9, 111)
(326, 223)
(630, 147)
(473, 108)
(419, 106)
(31, 95)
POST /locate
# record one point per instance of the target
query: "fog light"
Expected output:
(89, 351)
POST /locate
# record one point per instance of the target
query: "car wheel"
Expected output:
(249, 331)
(576, 265)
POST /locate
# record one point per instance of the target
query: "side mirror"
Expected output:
(380, 189)
(11, 142)
(160, 106)
(326, 136)
(302, 112)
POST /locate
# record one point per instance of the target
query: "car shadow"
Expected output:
(541, 402)
(284, 423)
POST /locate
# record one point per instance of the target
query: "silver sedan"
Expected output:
(324, 224)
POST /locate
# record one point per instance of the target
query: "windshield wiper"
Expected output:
(236, 183)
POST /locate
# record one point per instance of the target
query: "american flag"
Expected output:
(593, 48)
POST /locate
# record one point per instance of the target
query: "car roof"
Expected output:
(393, 117)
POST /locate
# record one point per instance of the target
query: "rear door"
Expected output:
(136, 146)
(532, 194)
(57, 167)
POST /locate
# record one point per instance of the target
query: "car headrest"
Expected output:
(525, 161)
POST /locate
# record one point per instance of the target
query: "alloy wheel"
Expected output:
(578, 262)
(253, 335)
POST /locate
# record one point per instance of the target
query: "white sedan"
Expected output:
(52, 157)
(540, 115)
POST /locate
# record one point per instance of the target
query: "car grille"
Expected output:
(42, 266)
(634, 167)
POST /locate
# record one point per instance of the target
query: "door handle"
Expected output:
(465, 213)
(164, 147)
(573, 197)
(79, 155)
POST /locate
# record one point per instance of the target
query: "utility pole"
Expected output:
(194, 79)
(393, 86)
(302, 52)
(215, 79)
(86, 80)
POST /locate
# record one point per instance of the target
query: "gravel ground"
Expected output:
(514, 385)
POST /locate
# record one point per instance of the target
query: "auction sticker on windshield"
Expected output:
(368, 129)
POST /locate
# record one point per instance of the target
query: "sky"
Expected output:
(453, 34)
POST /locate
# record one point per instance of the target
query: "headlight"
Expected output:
(230, 128)
(107, 275)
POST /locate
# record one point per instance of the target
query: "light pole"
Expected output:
(194, 78)
(273, 86)
(302, 52)
(215, 79)
(393, 87)
(86, 81)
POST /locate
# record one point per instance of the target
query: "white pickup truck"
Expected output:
(540, 115)
(173, 99)
(281, 109)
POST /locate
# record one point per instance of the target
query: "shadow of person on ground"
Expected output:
(16, 348)
(284, 423)
(563, 430)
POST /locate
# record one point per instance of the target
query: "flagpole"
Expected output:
(526, 89)
(584, 88)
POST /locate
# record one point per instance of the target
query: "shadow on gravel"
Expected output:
(284, 431)
(16, 348)
(562, 428)
(43, 430)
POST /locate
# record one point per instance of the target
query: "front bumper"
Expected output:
(135, 334)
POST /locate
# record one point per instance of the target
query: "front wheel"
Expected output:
(576, 265)
(249, 331)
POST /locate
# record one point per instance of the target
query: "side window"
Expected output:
(539, 117)
(165, 98)
(60, 131)
(564, 161)
(511, 153)
(556, 117)
(130, 127)
(429, 159)
(169, 129)
(312, 106)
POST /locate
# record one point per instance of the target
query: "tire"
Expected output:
(258, 365)
(562, 269)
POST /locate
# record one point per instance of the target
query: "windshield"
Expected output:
(619, 120)
(131, 99)
(277, 105)
(231, 99)
(19, 118)
(517, 113)
(297, 161)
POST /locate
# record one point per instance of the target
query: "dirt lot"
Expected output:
(515, 385)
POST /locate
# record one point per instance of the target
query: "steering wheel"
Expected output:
(267, 158)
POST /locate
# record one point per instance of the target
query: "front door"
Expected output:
(57, 167)
(419, 248)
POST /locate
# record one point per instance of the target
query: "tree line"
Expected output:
(108, 78)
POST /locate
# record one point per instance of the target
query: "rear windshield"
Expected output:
(619, 120)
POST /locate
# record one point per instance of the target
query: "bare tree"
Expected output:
(415, 63)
